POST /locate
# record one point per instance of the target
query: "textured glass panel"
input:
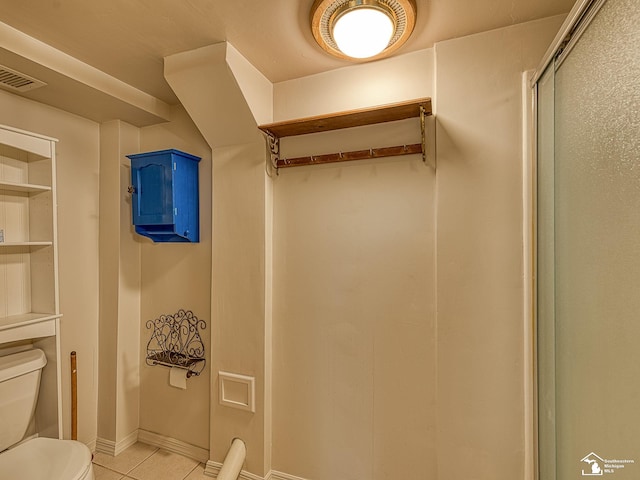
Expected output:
(597, 248)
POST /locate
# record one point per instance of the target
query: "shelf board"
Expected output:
(26, 244)
(13, 321)
(348, 119)
(28, 326)
(23, 187)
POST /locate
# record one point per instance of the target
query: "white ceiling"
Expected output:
(128, 39)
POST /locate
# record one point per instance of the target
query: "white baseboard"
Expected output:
(109, 447)
(212, 469)
(172, 445)
(275, 475)
(92, 445)
(126, 442)
(105, 446)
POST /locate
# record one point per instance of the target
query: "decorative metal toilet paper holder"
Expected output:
(176, 342)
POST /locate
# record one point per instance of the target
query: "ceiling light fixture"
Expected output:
(362, 29)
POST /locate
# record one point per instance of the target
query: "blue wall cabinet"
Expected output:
(165, 195)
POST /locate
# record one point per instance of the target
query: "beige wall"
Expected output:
(109, 268)
(240, 323)
(354, 368)
(78, 179)
(354, 359)
(129, 302)
(177, 276)
(369, 381)
(397, 291)
(404, 77)
(119, 377)
(78, 157)
(479, 250)
(238, 297)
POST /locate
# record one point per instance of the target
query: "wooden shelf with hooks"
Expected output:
(348, 119)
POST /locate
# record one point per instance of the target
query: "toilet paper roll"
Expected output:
(178, 378)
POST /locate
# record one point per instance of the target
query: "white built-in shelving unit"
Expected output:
(28, 253)
(29, 309)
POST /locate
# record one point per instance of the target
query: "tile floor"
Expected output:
(143, 462)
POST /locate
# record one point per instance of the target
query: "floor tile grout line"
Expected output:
(128, 475)
(110, 469)
(191, 471)
(156, 449)
(142, 461)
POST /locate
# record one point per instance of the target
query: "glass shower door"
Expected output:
(589, 252)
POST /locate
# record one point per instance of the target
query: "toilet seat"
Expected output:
(46, 459)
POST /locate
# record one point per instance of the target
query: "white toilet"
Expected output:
(37, 458)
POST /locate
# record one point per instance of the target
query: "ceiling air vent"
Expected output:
(16, 81)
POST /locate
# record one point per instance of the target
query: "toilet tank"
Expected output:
(19, 383)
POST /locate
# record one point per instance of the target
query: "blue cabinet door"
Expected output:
(153, 194)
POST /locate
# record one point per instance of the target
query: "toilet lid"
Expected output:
(45, 459)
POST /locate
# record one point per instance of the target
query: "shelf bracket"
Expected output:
(274, 153)
(423, 115)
